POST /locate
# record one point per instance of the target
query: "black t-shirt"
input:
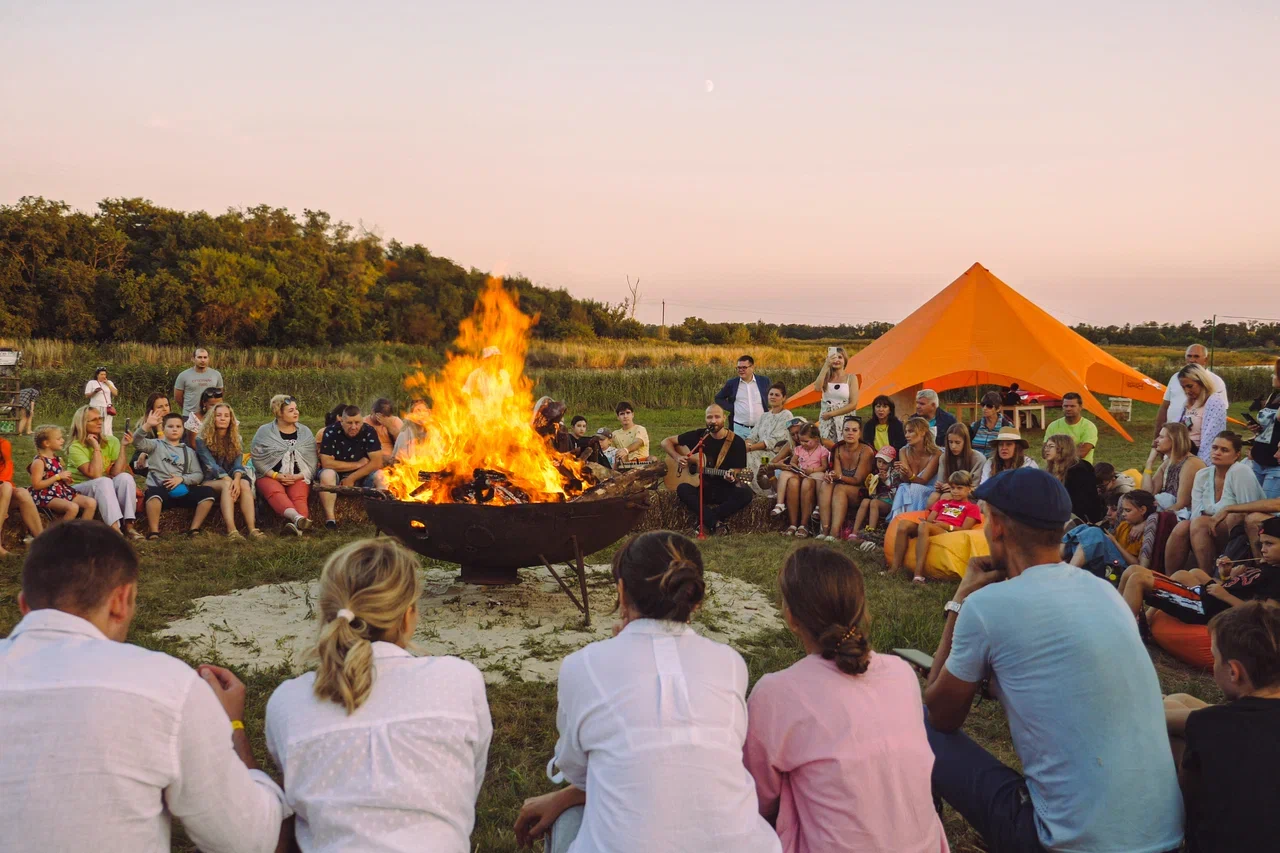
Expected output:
(1265, 454)
(1233, 750)
(735, 458)
(1082, 487)
(343, 448)
(1255, 582)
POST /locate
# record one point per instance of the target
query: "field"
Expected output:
(176, 572)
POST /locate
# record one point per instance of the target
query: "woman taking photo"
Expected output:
(380, 750)
(1010, 454)
(1076, 476)
(768, 437)
(652, 725)
(1172, 482)
(100, 391)
(984, 430)
(284, 463)
(1225, 482)
(884, 428)
(917, 466)
(851, 463)
(221, 455)
(1206, 413)
(839, 391)
(814, 727)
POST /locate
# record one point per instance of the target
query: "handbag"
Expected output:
(111, 410)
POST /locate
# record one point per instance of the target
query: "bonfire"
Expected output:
(477, 442)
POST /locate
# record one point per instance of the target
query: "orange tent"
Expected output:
(980, 331)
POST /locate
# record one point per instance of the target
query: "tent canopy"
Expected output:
(980, 331)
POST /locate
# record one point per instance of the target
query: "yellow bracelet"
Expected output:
(237, 725)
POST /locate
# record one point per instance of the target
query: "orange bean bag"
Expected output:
(949, 553)
(1187, 643)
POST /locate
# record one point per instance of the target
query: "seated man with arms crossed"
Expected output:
(1064, 657)
(350, 453)
(104, 740)
(723, 451)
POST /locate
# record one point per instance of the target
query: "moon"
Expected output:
(709, 85)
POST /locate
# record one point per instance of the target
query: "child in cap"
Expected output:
(1227, 754)
(880, 488)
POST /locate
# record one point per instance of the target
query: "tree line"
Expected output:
(261, 276)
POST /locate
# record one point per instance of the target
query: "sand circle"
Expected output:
(511, 632)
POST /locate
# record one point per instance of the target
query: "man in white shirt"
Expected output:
(745, 397)
(1175, 399)
(104, 741)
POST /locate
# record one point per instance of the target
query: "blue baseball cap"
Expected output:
(1028, 496)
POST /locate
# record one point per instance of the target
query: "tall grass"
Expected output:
(605, 355)
(44, 354)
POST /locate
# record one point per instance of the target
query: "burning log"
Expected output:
(627, 482)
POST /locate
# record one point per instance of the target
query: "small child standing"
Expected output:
(1227, 754)
(50, 485)
(955, 512)
(880, 488)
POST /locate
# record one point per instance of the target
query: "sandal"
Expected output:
(778, 509)
(134, 535)
(919, 580)
(234, 536)
(790, 531)
(193, 533)
(153, 535)
(255, 533)
(802, 532)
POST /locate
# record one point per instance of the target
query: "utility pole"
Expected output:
(664, 313)
(1213, 337)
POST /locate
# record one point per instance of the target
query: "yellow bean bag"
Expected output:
(1187, 643)
(949, 553)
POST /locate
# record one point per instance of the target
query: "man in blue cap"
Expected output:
(1063, 655)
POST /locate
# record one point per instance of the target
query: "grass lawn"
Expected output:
(177, 571)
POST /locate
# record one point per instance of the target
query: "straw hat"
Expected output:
(1011, 434)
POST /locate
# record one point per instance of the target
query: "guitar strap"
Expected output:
(724, 451)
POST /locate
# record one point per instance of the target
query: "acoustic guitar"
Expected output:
(690, 473)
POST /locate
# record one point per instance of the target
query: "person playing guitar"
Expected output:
(722, 458)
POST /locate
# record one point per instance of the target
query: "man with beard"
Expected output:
(723, 451)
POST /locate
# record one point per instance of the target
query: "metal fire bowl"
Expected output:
(491, 542)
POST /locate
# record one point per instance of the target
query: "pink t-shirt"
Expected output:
(843, 759)
(807, 459)
(953, 513)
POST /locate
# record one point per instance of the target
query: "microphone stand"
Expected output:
(697, 448)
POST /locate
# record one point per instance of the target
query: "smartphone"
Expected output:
(916, 658)
(831, 351)
(128, 423)
(1250, 419)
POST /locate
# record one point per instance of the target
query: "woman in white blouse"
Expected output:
(380, 750)
(652, 724)
(100, 391)
(1225, 482)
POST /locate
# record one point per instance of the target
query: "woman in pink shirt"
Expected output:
(836, 742)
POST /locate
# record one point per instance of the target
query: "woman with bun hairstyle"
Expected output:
(836, 742)
(652, 724)
(380, 750)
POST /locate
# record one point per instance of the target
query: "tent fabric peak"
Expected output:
(980, 331)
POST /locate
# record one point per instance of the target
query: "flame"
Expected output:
(482, 418)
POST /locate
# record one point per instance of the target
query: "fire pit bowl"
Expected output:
(491, 542)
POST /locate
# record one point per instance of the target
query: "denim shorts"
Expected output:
(1268, 478)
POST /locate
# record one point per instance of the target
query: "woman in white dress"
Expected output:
(100, 391)
(839, 393)
(769, 436)
(652, 725)
(381, 751)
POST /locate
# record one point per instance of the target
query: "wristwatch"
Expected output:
(952, 607)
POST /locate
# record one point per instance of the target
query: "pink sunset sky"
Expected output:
(804, 162)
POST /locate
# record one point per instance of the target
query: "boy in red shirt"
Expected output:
(955, 512)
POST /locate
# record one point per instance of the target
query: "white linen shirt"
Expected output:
(1240, 486)
(747, 405)
(103, 742)
(652, 724)
(400, 774)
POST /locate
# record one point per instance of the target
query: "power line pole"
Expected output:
(1213, 337)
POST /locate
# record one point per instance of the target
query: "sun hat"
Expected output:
(887, 453)
(797, 421)
(1030, 496)
(1011, 434)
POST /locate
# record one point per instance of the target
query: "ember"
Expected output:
(477, 443)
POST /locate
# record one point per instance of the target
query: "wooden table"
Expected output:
(1022, 416)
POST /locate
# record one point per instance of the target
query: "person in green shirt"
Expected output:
(99, 469)
(1083, 432)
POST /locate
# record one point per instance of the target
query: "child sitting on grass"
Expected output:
(50, 485)
(1227, 754)
(955, 512)
(880, 488)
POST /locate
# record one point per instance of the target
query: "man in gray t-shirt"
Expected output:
(192, 381)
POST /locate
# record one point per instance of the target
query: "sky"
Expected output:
(817, 162)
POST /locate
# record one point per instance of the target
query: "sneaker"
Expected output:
(722, 529)
(293, 528)
(778, 509)
(302, 522)
(330, 524)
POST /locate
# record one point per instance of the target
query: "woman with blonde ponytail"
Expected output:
(380, 750)
(655, 718)
(836, 742)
